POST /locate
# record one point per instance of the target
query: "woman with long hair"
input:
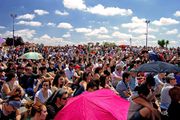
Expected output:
(44, 93)
(86, 78)
(38, 111)
(10, 86)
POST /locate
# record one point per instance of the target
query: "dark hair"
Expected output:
(125, 75)
(168, 79)
(85, 75)
(103, 81)
(57, 94)
(10, 75)
(56, 78)
(46, 81)
(42, 69)
(97, 69)
(142, 89)
(107, 73)
(174, 93)
(37, 107)
(92, 84)
(150, 80)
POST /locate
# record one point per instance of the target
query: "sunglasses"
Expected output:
(65, 98)
(45, 85)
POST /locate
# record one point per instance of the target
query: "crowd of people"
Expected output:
(39, 89)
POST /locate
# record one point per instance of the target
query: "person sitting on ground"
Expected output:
(11, 84)
(123, 86)
(175, 103)
(44, 93)
(9, 109)
(56, 102)
(86, 78)
(38, 111)
(117, 75)
(140, 108)
(165, 98)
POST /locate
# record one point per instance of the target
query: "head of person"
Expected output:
(39, 111)
(175, 94)
(71, 66)
(98, 70)
(58, 80)
(59, 97)
(29, 70)
(92, 86)
(43, 69)
(150, 81)
(162, 75)
(10, 76)
(119, 67)
(126, 76)
(142, 90)
(51, 64)
(171, 79)
(46, 84)
(87, 76)
(133, 73)
(102, 81)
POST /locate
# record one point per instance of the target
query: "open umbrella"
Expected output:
(158, 67)
(31, 55)
(1, 41)
(102, 104)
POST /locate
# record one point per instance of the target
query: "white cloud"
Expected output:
(30, 23)
(103, 36)
(95, 32)
(51, 41)
(177, 14)
(51, 24)
(67, 35)
(2, 27)
(83, 30)
(26, 16)
(136, 23)
(65, 25)
(26, 34)
(109, 11)
(171, 32)
(143, 30)
(143, 37)
(115, 28)
(74, 4)
(165, 21)
(121, 35)
(178, 35)
(41, 12)
(57, 12)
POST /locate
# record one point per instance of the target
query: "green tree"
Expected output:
(109, 44)
(167, 42)
(161, 43)
(17, 41)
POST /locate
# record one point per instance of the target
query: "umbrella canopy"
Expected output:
(31, 55)
(2, 40)
(158, 67)
(102, 104)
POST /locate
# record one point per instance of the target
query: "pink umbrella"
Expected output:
(99, 105)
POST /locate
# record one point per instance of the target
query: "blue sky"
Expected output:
(60, 22)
